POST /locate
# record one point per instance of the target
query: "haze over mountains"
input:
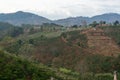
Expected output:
(21, 17)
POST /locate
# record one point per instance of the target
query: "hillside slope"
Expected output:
(76, 50)
(100, 43)
(20, 17)
(16, 68)
(108, 17)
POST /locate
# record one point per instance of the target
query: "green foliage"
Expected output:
(21, 47)
(94, 24)
(75, 37)
(16, 31)
(64, 35)
(27, 50)
(87, 76)
(53, 51)
(7, 38)
(102, 64)
(14, 47)
(64, 70)
(31, 41)
(106, 76)
(15, 68)
(100, 76)
(116, 23)
(7, 29)
(5, 26)
(113, 32)
(4, 29)
(74, 26)
(98, 63)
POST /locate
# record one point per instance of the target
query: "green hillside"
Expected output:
(16, 68)
(70, 50)
(66, 53)
(114, 32)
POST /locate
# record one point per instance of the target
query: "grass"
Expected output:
(46, 34)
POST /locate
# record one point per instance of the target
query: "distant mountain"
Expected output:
(109, 18)
(5, 26)
(71, 21)
(20, 17)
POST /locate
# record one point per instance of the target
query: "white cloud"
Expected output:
(55, 9)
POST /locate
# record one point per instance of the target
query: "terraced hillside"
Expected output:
(100, 43)
(77, 50)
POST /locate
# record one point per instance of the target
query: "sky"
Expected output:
(58, 9)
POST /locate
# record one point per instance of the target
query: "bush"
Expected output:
(106, 76)
(15, 68)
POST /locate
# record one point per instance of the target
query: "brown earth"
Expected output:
(99, 43)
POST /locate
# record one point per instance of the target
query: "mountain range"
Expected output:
(21, 17)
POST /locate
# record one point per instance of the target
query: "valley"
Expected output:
(59, 40)
(64, 53)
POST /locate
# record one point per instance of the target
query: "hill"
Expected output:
(100, 43)
(72, 53)
(5, 26)
(70, 49)
(7, 29)
(18, 68)
(108, 17)
(14, 68)
(72, 21)
(20, 17)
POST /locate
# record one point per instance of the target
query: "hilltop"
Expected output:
(20, 17)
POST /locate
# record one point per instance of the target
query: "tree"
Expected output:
(102, 22)
(32, 30)
(31, 41)
(84, 23)
(116, 23)
(74, 26)
(19, 42)
(94, 24)
(16, 31)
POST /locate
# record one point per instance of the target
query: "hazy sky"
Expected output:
(56, 9)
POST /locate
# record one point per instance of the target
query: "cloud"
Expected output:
(56, 9)
(55, 13)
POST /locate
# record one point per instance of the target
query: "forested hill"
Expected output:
(74, 53)
(7, 29)
(108, 17)
(16, 68)
(5, 26)
(21, 17)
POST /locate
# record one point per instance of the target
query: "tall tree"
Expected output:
(94, 24)
(116, 23)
